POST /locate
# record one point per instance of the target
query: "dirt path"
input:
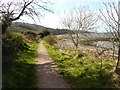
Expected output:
(47, 77)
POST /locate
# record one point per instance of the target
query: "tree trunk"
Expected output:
(4, 28)
(101, 65)
(118, 61)
(76, 46)
(113, 50)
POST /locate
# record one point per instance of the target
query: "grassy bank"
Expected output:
(19, 55)
(81, 71)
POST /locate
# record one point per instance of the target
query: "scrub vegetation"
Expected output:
(19, 55)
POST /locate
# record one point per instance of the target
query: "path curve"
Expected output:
(47, 77)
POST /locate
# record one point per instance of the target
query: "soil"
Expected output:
(47, 77)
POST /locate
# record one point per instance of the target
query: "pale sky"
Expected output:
(60, 6)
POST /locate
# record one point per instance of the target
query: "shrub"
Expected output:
(50, 39)
(31, 35)
(12, 45)
(46, 33)
(18, 55)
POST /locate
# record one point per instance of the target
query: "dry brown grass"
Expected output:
(90, 51)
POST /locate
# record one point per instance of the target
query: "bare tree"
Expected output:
(112, 21)
(79, 20)
(13, 10)
(100, 54)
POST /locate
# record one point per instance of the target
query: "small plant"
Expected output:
(80, 54)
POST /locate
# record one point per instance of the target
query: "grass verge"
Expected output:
(20, 73)
(81, 71)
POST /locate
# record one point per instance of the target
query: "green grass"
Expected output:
(20, 73)
(82, 71)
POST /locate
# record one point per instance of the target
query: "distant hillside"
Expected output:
(24, 26)
(28, 25)
(40, 28)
